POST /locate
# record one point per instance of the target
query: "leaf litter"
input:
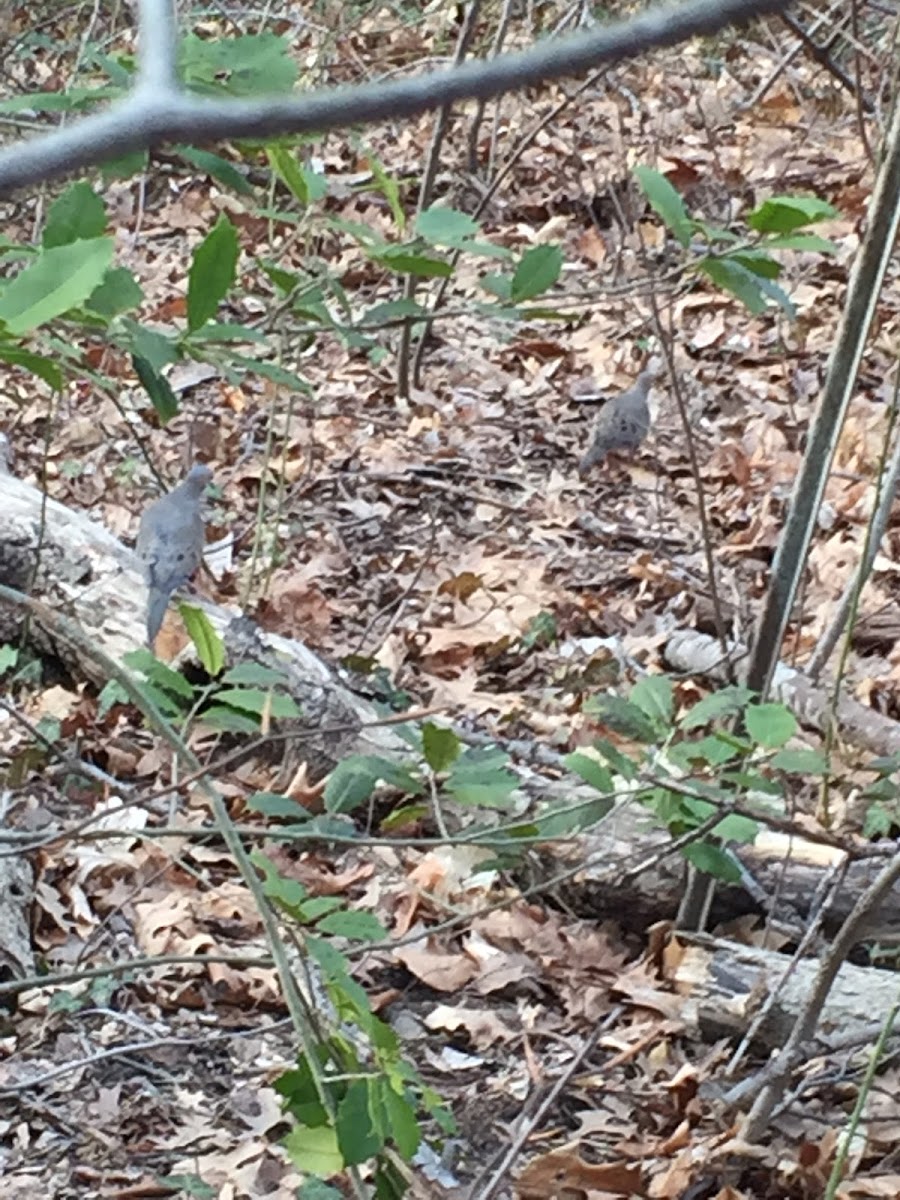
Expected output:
(432, 536)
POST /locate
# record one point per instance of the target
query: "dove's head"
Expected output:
(198, 477)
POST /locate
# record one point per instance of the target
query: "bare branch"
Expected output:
(164, 113)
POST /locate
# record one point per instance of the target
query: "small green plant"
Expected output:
(744, 265)
(688, 767)
(238, 700)
(352, 1095)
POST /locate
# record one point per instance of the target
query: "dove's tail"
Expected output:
(157, 603)
(596, 452)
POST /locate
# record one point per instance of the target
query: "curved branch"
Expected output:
(156, 112)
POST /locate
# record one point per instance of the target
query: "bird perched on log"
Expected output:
(170, 540)
(623, 423)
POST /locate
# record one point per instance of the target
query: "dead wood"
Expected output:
(786, 880)
(699, 654)
(726, 984)
(76, 567)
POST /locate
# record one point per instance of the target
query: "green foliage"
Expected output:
(745, 268)
(244, 699)
(473, 777)
(882, 817)
(212, 273)
(685, 767)
(351, 1097)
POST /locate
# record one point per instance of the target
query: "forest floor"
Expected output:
(445, 544)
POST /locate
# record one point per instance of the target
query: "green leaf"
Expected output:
(78, 214)
(144, 663)
(271, 804)
(770, 725)
(257, 701)
(572, 818)
(666, 203)
(393, 310)
(878, 821)
(305, 185)
(757, 263)
(247, 65)
(111, 695)
(9, 656)
(406, 261)
(219, 332)
(254, 674)
(801, 762)
(619, 762)
(126, 166)
(748, 287)
(351, 783)
(754, 781)
(712, 750)
(298, 1090)
(275, 373)
(784, 214)
(401, 1120)
(388, 187)
(653, 695)
(163, 399)
(499, 286)
(538, 270)
(355, 926)
(73, 100)
(621, 716)
(158, 350)
(441, 226)
(367, 237)
(216, 167)
(209, 646)
(212, 273)
(713, 861)
(802, 241)
(357, 1133)
(317, 1189)
(217, 716)
(724, 703)
(43, 368)
(57, 280)
(291, 895)
(885, 763)
(118, 292)
(736, 828)
(441, 747)
(315, 1151)
(541, 630)
(480, 777)
(590, 770)
(318, 908)
(188, 1185)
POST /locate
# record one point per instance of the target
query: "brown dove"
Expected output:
(623, 423)
(170, 541)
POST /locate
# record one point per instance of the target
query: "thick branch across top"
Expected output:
(157, 112)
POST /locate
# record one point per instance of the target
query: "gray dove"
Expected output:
(170, 541)
(623, 422)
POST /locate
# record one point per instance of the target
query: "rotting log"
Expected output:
(724, 985)
(700, 654)
(77, 568)
(787, 879)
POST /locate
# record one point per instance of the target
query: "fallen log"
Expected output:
(72, 565)
(725, 985)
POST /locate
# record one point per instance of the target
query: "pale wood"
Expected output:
(85, 573)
